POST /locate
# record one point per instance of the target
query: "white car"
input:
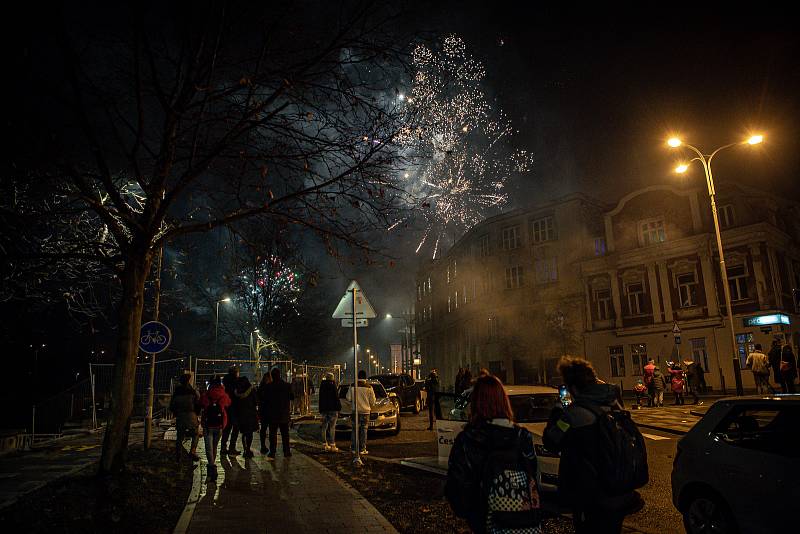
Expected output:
(531, 405)
(384, 417)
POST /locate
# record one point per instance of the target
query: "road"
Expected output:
(658, 515)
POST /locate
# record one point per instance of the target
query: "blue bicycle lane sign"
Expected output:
(154, 337)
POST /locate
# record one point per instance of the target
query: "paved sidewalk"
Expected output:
(289, 495)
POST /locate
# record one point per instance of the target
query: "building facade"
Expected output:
(612, 282)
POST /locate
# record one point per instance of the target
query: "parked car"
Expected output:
(531, 406)
(737, 469)
(384, 417)
(407, 390)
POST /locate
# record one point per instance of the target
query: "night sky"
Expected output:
(594, 94)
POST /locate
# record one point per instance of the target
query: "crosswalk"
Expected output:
(654, 437)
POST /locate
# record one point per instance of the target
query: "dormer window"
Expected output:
(651, 231)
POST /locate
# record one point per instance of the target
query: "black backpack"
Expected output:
(622, 454)
(508, 487)
(214, 415)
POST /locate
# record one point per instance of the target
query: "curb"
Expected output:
(194, 497)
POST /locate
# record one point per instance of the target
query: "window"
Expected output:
(452, 271)
(635, 292)
(737, 282)
(638, 358)
(617, 356)
(464, 295)
(511, 238)
(543, 230)
(603, 299)
(515, 277)
(652, 231)
(494, 327)
(429, 284)
(771, 430)
(599, 246)
(744, 346)
(725, 215)
(687, 289)
(484, 244)
(419, 293)
(699, 352)
(546, 270)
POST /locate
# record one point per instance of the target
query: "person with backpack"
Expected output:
(491, 475)
(758, 362)
(231, 429)
(329, 407)
(603, 456)
(215, 403)
(247, 414)
(788, 369)
(649, 369)
(676, 383)
(185, 404)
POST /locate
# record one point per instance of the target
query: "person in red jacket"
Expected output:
(215, 404)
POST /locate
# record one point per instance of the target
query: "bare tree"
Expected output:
(184, 121)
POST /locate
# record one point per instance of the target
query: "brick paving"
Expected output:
(290, 495)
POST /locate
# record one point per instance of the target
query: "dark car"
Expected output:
(407, 390)
(738, 469)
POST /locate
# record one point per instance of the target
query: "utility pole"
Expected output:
(148, 423)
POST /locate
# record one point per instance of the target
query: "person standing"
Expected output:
(659, 385)
(457, 389)
(329, 408)
(232, 426)
(676, 382)
(649, 369)
(185, 404)
(466, 380)
(262, 411)
(774, 358)
(599, 493)
(362, 396)
(788, 369)
(247, 414)
(758, 362)
(692, 379)
(215, 403)
(491, 473)
(277, 398)
(431, 389)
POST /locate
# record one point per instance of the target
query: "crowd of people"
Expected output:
(679, 378)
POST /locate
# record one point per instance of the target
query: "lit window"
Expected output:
(652, 231)
(543, 230)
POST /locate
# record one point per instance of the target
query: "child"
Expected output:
(640, 390)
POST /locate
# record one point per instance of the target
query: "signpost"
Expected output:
(353, 309)
(676, 331)
(154, 337)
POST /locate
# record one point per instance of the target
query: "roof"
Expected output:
(529, 390)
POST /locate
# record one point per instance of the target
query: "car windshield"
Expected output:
(388, 381)
(533, 408)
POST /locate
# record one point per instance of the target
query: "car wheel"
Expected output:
(417, 405)
(708, 514)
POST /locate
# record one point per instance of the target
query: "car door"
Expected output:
(451, 418)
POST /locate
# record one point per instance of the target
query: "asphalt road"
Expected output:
(658, 515)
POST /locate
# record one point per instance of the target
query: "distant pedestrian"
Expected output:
(277, 397)
(215, 403)
(693, 379)
(298, 394)
(774, 358)
(262, 411)
(466, 380)
(648, 380)
(676, 383)
(640, 391)
(361, 396)
(232, 427)
(603, 456)
(491, 475)
(185, 404)
(329, 407)
(659, 384)
(758, 363)
(431, 389)
(457, 385)
(247, 414)
(788, 369)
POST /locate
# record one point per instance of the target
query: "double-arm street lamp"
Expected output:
(216, 324)
(705, 161)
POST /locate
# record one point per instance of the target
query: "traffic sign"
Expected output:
(360, 323)
(363, 308)
(154, 337)
(676, 329)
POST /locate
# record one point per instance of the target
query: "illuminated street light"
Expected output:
(705, 160)
(216, 323)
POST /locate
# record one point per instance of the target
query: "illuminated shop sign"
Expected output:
(764, 320)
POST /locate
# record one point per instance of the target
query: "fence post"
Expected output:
(94, 404)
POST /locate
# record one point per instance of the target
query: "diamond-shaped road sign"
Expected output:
(364, 309)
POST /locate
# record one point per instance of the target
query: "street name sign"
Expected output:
(360, 323)
(154, 337)
(364, 309)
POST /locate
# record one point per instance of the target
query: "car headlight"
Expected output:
(541, 451)
(390, 413)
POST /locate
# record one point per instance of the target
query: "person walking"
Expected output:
(758, 363)
(277, 398)
(659, 384)
(262, 411)
(693, 376)
(588, 434)
(247, 414)
(774, 358)
(214, 403)
(457, 389)
(362, 396)
(491, 475)
(648, 381)
(185, 404)
(232, 427)
(788, 369)
(676, 383)
(431, 389)
(329, 408)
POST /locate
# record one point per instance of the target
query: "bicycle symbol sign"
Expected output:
(154, 337)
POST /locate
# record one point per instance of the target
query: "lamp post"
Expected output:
(705, 160)
(216, 324)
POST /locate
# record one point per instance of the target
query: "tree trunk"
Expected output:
(115, 442)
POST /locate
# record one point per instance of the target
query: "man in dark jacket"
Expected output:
(774, 358)
(329, 408)
(431, 388)
(231, 429)
(277, 398)
(574, 433)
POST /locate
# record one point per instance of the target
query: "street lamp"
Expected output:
(705, 160)
(216, 324)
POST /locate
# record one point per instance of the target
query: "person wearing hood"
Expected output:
(185, 404)
(214, 403)
(491, 475)
(575, 432)
(247, 413)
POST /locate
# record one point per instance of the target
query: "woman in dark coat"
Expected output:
(262, 411)
(247, 413)
(788, 369)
